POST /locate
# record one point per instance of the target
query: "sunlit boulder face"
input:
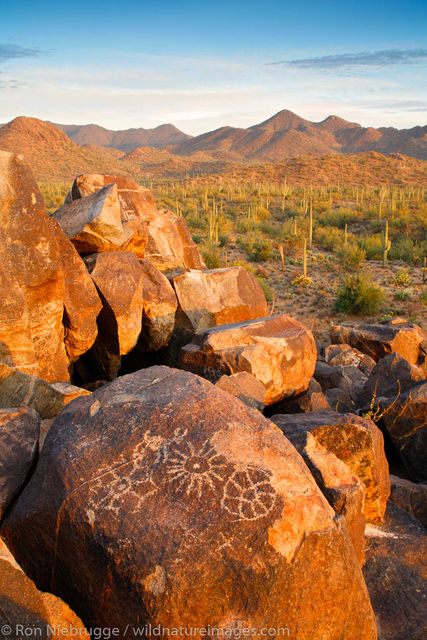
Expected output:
(168, 502)
(158, 235)
(32, 300)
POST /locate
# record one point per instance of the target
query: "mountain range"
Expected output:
(293, 146)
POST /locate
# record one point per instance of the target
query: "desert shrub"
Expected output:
(211, 256)
(223, 239)
(403, 248)
(401, 279)
(302, 281)
(330, 238)
(268, 291)
(372, 246)
(403, 295)
(423, 297)
(351, 257)
(357, 295)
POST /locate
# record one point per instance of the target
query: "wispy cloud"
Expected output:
(385, 58)
(13, 51)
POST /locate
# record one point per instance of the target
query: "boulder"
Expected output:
(396, 575)
(218, 296)
(19, 389)
(356, 441)
(19, 437)
(158, 235)
(391, 376)
(158, 311)
(244, 386)
(279, 351)
(32, 301)
(405, 419)
(310, 400)
(118, 277)
(411, 497)
(378, 340)
(331, 377)
(26, 612)
(345, 355)
(344, 491)
(339, 400)
(93, 224)
(167, 502)
(81, 301)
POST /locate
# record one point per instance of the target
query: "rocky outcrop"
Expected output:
(19, 437)
(411, 497)
(19, 389)
(158, 311)
(344, 355)
(94, 224)
(244, 386)
(405, 419)
(392, 376)
(214, 297)
(165, 501)
(356, 441)
(279, 351)
(25, 611)
(158, 235)
(118, 277)
(81, 301)
(31, 304)
(378, 340)
(396, 575)
(312, 399)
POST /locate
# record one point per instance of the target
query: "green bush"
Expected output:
(211, 257)
(357, 295)
(268, 291)
(372, 246)
(351, 257)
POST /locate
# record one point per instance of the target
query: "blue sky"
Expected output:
(206, 64)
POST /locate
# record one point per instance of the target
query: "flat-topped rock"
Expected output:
(167, 501)
(378, 340)
(279, 351)
(356, 441)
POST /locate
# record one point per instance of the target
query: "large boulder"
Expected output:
(159, 235)
(214, 297)
(378, 340)
(81, 301)
(342, 488)
(19, 437)
(391, 376)
(405, 419)
(118, 277)
(158, 311)
(344, 355)
(279, 351)
(32, 300)
(244, 386)
(26, 612)
(94, 223)
(356, 441)
(312, 399)
(167, 502)
(396, 574)
(19, 389)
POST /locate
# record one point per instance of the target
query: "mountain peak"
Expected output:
(283, 120)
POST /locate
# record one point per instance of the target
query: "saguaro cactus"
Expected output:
(385, 244)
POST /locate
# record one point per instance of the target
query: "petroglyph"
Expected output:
(248, 494)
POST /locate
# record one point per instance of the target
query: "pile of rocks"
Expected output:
(166, 496)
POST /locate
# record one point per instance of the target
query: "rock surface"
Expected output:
(183, 507)
(19, 389)
(345, 355)
(159, 308)
(356, 441)
(405, 419)
(310, 400)
(118, 277)
(411, 497)
(244, 386)
(396, 574)
(215, 297)
(279, 351)
(81, 301)
(29, 612)
(19, 437)
(31, 305)
(391, 376)
(378, 340)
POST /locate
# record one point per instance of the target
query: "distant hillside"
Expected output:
(126, 140)
(286, 135)
(53, 156)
